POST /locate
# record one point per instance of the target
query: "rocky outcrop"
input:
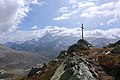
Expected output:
(37, 70)
(75, 69)
(116, 47)
(80, 45)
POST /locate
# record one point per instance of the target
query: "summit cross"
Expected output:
(82, 30)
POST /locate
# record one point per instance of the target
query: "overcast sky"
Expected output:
(17, 17)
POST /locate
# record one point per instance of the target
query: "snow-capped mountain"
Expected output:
(50, 46)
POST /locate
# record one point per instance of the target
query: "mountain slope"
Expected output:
(10, 57)
(102, 42)
(115, 46)
(12, 62)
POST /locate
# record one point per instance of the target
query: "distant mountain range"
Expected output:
(50, 46)
(102, 42)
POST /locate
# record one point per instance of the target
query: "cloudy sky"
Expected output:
(26, 19)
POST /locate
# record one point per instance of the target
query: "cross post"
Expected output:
(82, 30)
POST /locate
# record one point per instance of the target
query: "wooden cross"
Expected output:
(82, 30)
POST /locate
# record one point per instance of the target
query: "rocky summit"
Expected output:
(80, 45)
(80, 62)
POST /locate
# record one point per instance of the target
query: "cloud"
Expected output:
(93, 0)
(59, 31)
(110, 10)
(116, 14)
(74, 8)
(12, 12)
(100, 10)
(72, 1)
(110, 33)
(63, 9)
(112, 21)
(65, 16)
(35, 27)
(101, 24)
(85, 4)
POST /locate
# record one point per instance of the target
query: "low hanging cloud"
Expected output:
(59, 31)
(12, 12)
